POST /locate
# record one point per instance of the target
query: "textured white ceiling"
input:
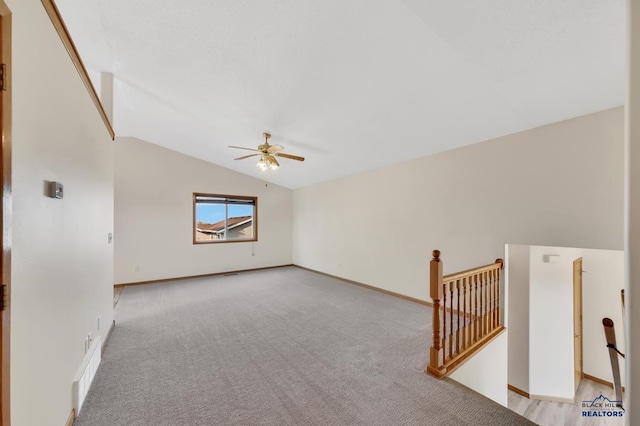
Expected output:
(351, 85)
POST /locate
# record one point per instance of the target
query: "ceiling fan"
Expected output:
(267, 154)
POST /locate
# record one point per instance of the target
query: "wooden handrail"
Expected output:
(466, 313)
(58, 23)
(462, 274)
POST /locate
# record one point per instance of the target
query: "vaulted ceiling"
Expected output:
(351, 85)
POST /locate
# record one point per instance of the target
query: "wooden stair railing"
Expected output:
(466, 314)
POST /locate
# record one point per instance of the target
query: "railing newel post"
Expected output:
(499, 313)
(436, 355)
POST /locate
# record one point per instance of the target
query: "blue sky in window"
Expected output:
(212, 213)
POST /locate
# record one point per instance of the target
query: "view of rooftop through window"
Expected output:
(224, 218)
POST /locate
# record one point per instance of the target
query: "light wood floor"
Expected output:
(546, 413)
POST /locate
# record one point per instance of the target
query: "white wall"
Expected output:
(62, 264)
(551, 365)
(486, 372)
(559, 185)
(601, 285)
(154, 190)
(517, 271)
(555, 185)
(541, 357)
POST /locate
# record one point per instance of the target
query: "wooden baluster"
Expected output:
(479, 291)
(470, 312)
(436, 351)
(483, 300)
(444, 317)
(485, 293)
(493, 299)
(451, 335)
(458, 313)
(480, 329)
(487, 301)
(475, 318)
(499, 319)
(465, 280)
(488, 313)
(487, 290)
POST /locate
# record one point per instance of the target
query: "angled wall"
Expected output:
(62, 263)
(559, 185)
(154, 189)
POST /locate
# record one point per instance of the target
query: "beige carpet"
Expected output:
(276, 347)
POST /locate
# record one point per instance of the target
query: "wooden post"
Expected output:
(499, 313)
(436, 359)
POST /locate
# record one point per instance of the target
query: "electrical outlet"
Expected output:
(136, 268)
(89, 339)
(98, 322)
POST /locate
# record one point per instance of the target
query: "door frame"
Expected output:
(577, 320)
(5, 212)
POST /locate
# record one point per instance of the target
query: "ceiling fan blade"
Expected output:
(292, 157)
(246, 156)
(275, 161)
(274, 148)
(241, 147)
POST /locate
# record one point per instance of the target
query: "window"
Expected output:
(224, 218)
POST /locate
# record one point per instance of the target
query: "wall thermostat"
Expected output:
(57, 190)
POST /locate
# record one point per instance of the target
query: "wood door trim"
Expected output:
(577, 288)
(189, 277)
(370, 287)
(71, 418)
(6, 218)
(63, 32)
(518, 391)
(601, 381)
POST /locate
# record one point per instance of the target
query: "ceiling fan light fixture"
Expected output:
(262, 165)
(267, 162)
(267, 154)
(272, 163)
